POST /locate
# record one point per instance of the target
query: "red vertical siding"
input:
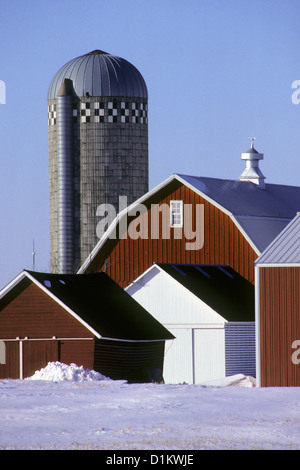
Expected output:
(11, 369)
(223, 244)
(79, 352)
(37, 354)
(279, 301)
(29, 312)
(34, 314)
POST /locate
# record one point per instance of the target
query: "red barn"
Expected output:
(278, 310)
(194, 220)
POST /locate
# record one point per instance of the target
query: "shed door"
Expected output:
(9, 369)
(209, 356)
(178, 363)
(196, 355)
(37, 354)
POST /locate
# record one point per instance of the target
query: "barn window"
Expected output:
(176, 213)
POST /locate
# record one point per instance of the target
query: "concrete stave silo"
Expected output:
(98, 149)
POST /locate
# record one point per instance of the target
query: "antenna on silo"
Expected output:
(33, 256)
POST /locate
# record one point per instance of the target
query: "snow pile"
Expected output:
(57, 371)
(238, 379)
(245, 381)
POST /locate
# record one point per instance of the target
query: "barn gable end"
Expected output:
(223, 222)
(34, 314)
(223, 243)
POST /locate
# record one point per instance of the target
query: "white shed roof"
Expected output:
(285, 248)
(221, 288)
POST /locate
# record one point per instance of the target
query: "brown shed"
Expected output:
(88, 320)
(277, 284)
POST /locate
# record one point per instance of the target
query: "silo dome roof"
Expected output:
(99, 73)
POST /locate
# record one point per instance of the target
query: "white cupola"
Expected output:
(252, 172)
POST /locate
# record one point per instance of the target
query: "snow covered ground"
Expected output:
(65, 407)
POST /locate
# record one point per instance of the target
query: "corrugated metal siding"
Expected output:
(240, 348)
(279, 306)
(131, 361)
(223, 244)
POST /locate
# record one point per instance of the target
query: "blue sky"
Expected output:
(217, 72)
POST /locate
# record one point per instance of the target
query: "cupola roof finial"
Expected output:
(252, 172)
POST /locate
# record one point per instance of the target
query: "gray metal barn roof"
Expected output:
(244, 198)
(285, 249)
(99, 73)
(262, 213)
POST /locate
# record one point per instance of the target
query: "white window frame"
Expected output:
(176, 209)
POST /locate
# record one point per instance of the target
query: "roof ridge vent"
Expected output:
(252, 172)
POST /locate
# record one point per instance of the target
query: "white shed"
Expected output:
(210, 311)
